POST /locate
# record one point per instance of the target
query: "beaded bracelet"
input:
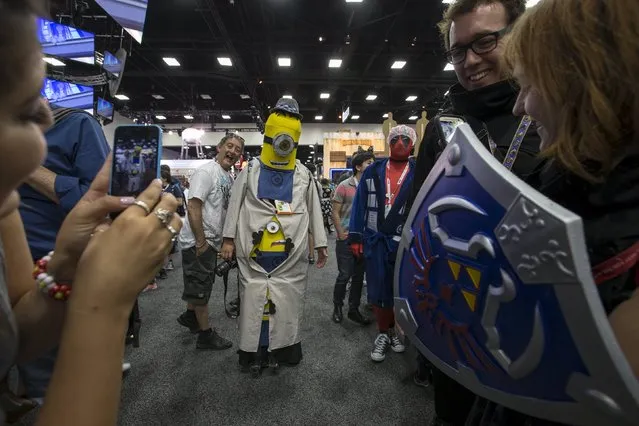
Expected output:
(46, 283)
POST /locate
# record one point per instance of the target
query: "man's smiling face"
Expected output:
(479, 71)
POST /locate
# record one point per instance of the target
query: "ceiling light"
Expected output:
(243, 96)
(284, 62)
(158, 97)
(287, 97)
(172, 62)
(226, 117)
(325, 95)
(188, 117)
(447, 93)
(122, 97)
(398, 65)
(160, 117)
(319, 117)
(448, 1)
(206, 97)
(54, 62)
(449, 67)
(385, 116)
(355, 117)
(411, 98)
(225, 61)
(321, 39)
(208, 147)
(354, 1)
(335, 63)
(412, 117)
(371, 97)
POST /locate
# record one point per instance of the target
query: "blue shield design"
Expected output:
(493, 286)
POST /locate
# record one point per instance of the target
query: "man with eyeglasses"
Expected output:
(473, 33)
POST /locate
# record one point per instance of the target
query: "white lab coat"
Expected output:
(287, 283)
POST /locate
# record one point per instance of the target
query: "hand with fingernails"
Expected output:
(115, 260)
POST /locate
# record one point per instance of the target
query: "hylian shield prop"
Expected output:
(493, 286)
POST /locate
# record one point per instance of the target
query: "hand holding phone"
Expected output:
(446, 125)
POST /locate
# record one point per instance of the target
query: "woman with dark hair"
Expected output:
(74, 296)
(577, 64)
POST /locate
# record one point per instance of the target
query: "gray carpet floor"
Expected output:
(171, 383)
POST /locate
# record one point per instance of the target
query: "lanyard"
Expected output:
(515, 145)
(390, 196)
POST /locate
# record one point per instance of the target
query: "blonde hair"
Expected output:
(583, 58)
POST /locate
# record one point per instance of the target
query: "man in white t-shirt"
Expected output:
(201, 239)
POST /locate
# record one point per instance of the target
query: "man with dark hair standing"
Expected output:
(349, 267)
(473, 33)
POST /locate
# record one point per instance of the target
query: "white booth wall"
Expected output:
(312, 133)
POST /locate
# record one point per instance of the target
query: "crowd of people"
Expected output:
(551, 92)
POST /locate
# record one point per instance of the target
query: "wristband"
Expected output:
(46, 282)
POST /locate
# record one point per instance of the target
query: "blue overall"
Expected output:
(380, 234)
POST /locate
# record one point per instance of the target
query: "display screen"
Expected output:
(68, 95)
(131, 14)
(105, 109)
(112, 64)
(448, 126)
(66, 42)
(136, 151)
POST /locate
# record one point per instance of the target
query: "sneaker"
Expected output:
(210, 340)
(421, 381)
(152, 286)
(162, 275)
(381, 346)
(126, 366)
(169, 266)
(356, 316)
(189, 320)
(338, 315)
(396, 345)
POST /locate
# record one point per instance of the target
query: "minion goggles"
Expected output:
(283, 144)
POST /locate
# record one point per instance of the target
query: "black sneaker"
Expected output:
(338, 316)
(356, 316)
(210, 340)
(189, 320)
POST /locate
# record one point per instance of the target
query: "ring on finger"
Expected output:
(144, 206)
(174, 233)
(164, 215)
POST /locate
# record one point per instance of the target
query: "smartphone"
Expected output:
(446, 125)
(137, 151)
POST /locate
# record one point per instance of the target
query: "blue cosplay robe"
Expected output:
(380, 234)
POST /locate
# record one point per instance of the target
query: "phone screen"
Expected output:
(137, 152)
(448, 124)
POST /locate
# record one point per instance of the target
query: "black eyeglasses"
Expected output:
(482, 45)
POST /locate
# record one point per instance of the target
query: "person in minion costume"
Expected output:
(273, 206)
(135, 170)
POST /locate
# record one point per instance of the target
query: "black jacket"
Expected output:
(610, 214)
(492, 106)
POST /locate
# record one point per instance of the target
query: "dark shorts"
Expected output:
(199, 275)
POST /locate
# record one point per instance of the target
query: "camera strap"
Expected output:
(233, 314)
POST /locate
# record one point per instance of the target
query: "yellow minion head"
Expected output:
(282, 135)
